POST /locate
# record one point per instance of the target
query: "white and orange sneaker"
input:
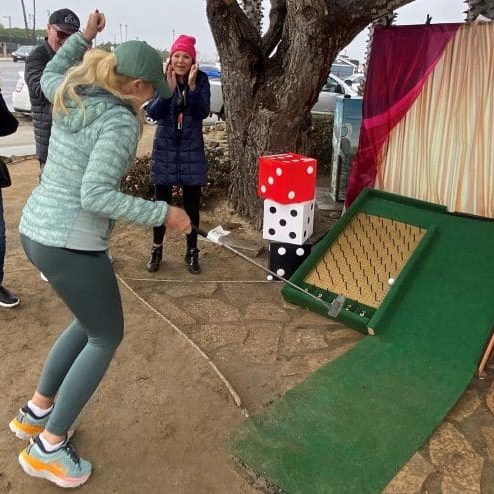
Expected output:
(26, 424)
(64, 467)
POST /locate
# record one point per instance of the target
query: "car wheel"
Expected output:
(221, 113)
(14, 59)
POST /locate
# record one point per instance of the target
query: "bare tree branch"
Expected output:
(233, 32)
(254, 11)
(359, 11)
(276, 20)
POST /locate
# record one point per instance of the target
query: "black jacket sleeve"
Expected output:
(8, 123)
(35, 65)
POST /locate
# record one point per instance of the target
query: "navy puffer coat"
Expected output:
(178, 155)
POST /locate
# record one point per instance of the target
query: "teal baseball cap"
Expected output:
(138, 59)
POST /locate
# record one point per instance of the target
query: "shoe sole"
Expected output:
(13, 304)
(25, 436)
(43, 474)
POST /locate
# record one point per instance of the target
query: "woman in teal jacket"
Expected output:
(66, 224)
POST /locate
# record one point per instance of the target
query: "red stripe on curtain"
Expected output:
(402, 58)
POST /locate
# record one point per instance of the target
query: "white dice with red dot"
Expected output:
(287, 178)
(291, 223)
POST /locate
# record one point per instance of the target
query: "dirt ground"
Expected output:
(160, 421)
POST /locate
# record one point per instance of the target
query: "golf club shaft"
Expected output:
(204, 234)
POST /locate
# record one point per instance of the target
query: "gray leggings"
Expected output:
(79, 358)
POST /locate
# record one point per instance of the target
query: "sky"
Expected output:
(159, 21)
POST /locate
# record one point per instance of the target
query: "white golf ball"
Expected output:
(269, 277)
(391, 281)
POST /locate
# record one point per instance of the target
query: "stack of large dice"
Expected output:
(287, 183)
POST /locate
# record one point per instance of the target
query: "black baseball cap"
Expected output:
(65, 19)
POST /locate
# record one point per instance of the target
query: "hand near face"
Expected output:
(193, 76)
(171, 78)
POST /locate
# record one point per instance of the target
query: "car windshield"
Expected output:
(24, 49)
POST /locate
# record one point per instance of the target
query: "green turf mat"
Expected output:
(354, 423)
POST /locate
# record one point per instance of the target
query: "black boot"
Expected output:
(192, 261)
(7, 298)
(155, 259)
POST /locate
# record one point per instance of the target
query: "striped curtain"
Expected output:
(442, 148)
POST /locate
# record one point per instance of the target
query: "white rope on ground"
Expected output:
(231, 390)
(21, 159)
(199, 281)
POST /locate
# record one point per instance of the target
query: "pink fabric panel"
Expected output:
(402, 58)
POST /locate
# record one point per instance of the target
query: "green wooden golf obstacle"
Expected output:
(355, 422)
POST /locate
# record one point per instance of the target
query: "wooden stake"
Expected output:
(485, 358)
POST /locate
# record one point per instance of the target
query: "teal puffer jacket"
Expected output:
(90, 149)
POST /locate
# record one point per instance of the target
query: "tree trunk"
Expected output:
(270, 83)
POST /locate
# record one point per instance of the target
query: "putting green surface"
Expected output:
(355, 422)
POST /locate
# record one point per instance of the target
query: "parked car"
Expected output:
(216, 102)
(213, 71)
(327, 97)
(355, 80)
(22, 53)
(325, 104)
(20, 97)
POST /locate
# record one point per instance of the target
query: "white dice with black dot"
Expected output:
(290, 223)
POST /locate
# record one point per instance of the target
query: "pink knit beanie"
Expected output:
(184, 43)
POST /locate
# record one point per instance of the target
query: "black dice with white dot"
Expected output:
(285, 258)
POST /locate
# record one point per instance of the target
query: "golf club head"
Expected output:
(216, 234)
(336, 305)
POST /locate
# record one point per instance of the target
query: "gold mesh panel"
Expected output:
(369, 252)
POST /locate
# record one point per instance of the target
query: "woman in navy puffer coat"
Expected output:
(178, 151)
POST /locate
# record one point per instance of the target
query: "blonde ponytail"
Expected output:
(96, 69)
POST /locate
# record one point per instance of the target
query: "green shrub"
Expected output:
(322, 137)
(219, 170)
(137, 183)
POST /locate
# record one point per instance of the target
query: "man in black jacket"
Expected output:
(61, 24)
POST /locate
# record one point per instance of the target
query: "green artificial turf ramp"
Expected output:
(355, 422)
